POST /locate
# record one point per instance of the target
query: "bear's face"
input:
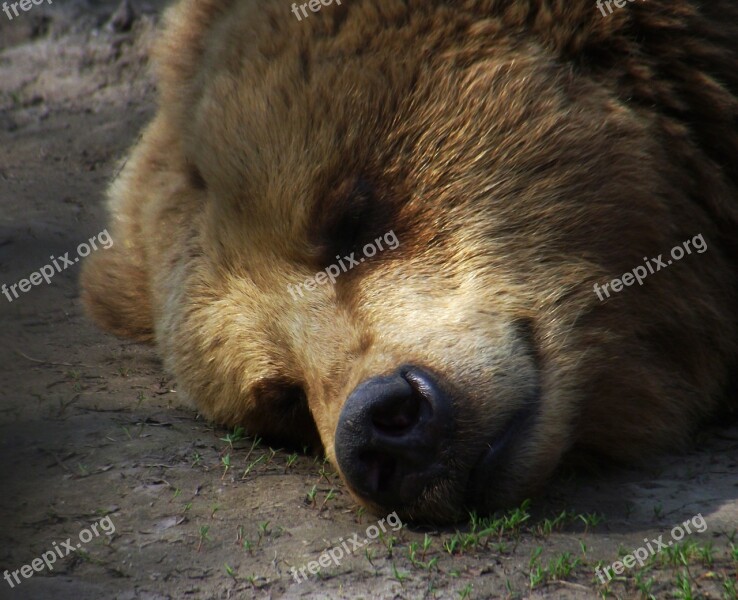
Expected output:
(385, 240)
(412, 259)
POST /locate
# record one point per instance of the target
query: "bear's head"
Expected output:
(397, 219)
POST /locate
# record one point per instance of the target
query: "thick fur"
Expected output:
(521, 151)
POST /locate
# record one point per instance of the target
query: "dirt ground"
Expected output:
(92, 426)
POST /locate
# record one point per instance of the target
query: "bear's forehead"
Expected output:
(287, 127)
(364, 118)
(292, 99)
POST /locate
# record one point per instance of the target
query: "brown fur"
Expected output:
(521, 150)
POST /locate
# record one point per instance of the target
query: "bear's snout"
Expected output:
(391, 436)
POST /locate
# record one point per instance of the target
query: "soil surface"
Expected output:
(93, 436)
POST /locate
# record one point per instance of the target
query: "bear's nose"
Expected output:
(391, 435)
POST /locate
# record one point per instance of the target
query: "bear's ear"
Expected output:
(177, 54)
(115, 293)
(640, 49)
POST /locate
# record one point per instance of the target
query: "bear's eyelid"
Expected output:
(342, 215)
(195, 178)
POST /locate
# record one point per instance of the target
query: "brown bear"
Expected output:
(449, 241)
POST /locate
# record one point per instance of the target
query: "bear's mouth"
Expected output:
(492, 478)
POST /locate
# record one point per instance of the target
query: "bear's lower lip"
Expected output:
(487, 477)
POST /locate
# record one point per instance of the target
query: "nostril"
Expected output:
(380, 471)
(396, 416)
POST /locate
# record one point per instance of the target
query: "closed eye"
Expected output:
(343, 219)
